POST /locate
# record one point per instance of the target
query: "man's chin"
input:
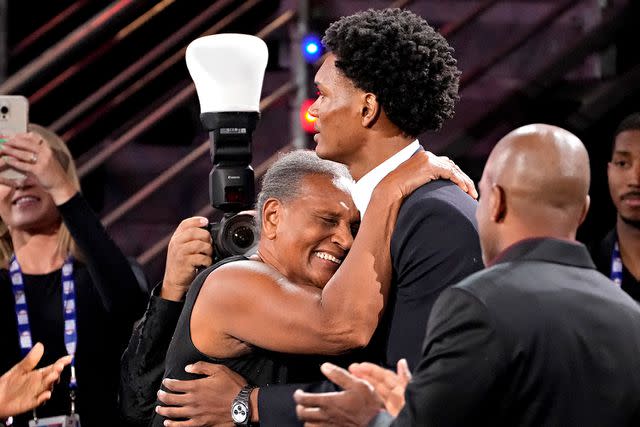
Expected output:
(322, 153)
(633, 221)
(327, 154)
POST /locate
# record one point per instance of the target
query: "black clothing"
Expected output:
(539, 339)
(142, 364)
(601, 254)
(259, 367)
(434, 245)
(108, 302)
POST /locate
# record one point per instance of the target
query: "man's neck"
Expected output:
(376, 152)
(629, 241)
(37, 253)
(516, 231)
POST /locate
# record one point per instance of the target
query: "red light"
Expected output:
(233, 195)
(307, 120)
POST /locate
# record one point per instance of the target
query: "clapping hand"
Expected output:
(355, 405)
(23, 388)
(389, 385)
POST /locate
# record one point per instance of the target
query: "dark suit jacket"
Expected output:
(434, 245)
(539, 339)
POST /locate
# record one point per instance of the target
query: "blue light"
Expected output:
(311, 48)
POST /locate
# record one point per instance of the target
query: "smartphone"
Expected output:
(14, 117)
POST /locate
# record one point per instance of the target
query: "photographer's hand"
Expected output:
(189, 248)
(205, 401)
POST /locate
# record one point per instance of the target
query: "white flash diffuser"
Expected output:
(227, 70)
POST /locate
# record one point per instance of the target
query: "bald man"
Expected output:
(538, 338)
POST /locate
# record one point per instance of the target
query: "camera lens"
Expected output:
(235, 236)
(242, 237)
(4, 109)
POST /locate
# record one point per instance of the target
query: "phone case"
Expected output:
(14, 117)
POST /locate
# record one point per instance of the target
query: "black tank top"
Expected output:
(259, 367)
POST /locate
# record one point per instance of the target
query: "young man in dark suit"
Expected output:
(388, 78)
(539, 338)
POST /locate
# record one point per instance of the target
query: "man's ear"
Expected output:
(498, 204)
(585, 209)
(271, 214)
(370, 110)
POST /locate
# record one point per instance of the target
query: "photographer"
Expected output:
(55, 254)
(142, 363)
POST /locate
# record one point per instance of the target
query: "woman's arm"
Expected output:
(252, 303)
(109, 269)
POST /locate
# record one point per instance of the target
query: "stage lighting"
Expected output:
(307, 120)
(311, 48)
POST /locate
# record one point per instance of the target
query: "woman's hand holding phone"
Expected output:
(30, 154)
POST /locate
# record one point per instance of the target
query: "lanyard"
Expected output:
(68, 313)
(616, 264)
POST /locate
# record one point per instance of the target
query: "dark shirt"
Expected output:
(259, 367)
(142, 365)
(108, 301)
(539, 339)
(601, 254)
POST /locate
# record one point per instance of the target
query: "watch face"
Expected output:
(239, 412)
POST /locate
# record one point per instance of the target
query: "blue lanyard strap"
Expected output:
(68, 311)
(616, 264)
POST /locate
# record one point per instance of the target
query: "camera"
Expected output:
(227, 70)
(231, 181)
(234, 234)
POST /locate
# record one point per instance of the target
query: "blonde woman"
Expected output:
(63, 281)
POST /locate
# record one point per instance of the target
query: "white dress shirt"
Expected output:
(363, 188)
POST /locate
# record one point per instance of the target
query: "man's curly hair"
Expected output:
(400, 58)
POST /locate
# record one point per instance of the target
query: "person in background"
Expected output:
(63, 281)
(23, 387)
(618, 255)
(538, 338)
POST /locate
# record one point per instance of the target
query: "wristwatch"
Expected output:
(241, 408)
